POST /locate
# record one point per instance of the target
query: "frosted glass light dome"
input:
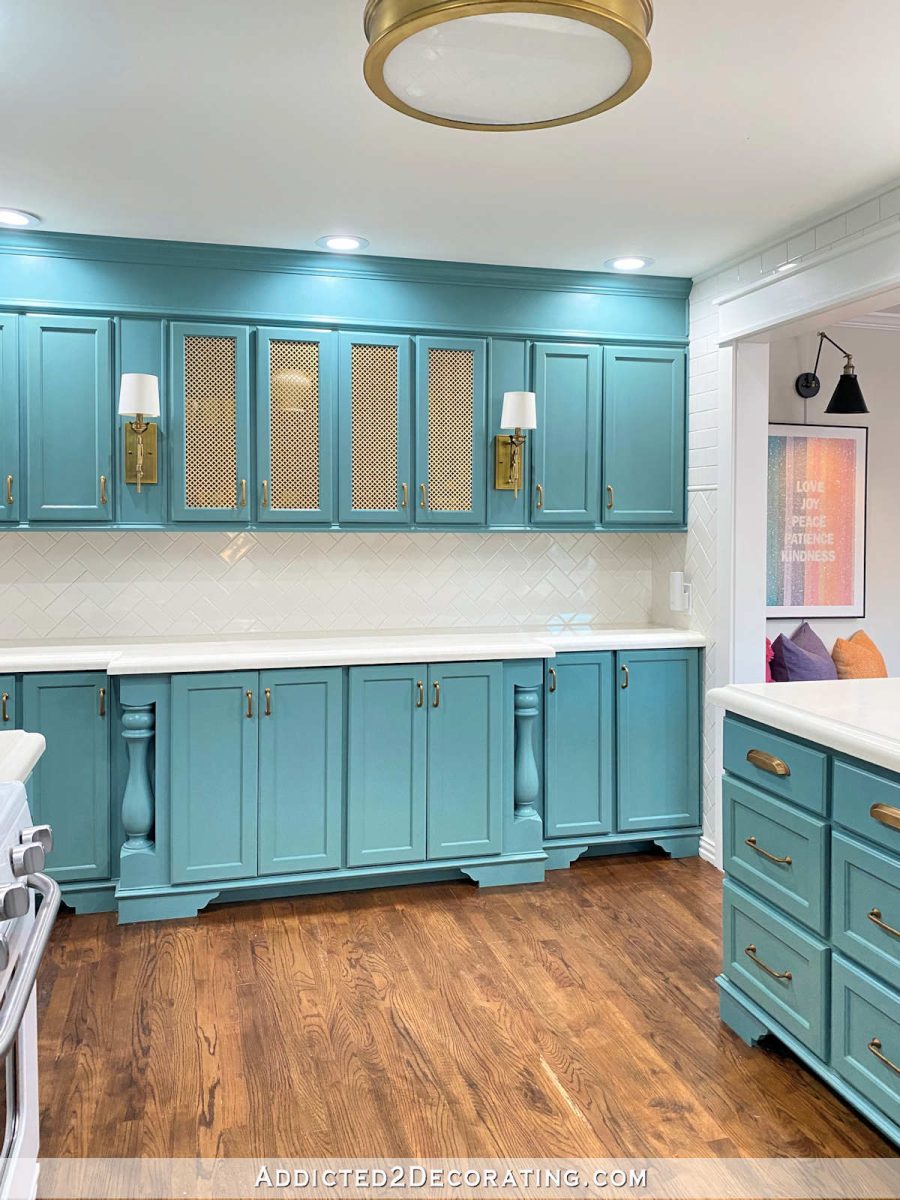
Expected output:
(495, 64)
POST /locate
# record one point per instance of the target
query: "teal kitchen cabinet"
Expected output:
(70, 788)
(210, 423)
(465, 721)
(69, 406)
(295, 395)
(579, 756)
(658, 739)
(644, 431)
(375, 429)
(301, 749)
(566, 443)
(8, 708)
(451, 424)
(9, 417)
(215, 748)
(386, 775)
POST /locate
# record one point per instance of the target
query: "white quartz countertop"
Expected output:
(18, 754)
(859, 717)
(167, 656)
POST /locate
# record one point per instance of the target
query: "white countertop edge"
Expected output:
(19, 753)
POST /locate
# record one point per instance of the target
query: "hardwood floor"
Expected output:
(577, 1018)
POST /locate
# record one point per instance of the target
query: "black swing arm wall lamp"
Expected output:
(848, 398)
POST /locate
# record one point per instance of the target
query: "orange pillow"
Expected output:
(858, 658)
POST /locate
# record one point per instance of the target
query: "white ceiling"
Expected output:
(248, 121)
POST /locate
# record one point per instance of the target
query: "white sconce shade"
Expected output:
(519, 411)
(139, 394)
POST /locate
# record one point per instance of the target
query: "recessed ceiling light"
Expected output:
(629, 262)
(342, 243)
(15, 218)
(788, 266)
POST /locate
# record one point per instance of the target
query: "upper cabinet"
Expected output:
(451, 455)
(375, 428)
(644, 426)
(9, 418)
(566, 443)
(210, 422)
(69, 405)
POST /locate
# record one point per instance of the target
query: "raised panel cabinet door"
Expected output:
(8, 706)
(451, 422)
(70, 787)
(210, 422)
(386, 765)
(301, 747)
(579, 761)
(658, 739)
(566, 443)
(375, 429)
(295, 396)
(69, 406)
(465, 744)
(644, 431)
(9, 418)
(215, 752)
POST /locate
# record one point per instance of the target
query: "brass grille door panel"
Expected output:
(295, 409)
(375, 420)
(211, 422)
(451, 378)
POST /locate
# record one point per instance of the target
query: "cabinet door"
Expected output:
(375, 429)
(644, 451)
(70, 787)
(658, 739)
(69, 406)
(214, 776)
(465, 721)
(9, 418)
(451, 386)
(579, 762)
(566, 443)
(8, 707)
(301, 741)
(210, 422)
(386, 772)
(296, 382)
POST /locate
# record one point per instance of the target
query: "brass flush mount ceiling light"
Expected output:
(504, 65)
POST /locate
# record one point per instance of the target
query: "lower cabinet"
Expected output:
(70, 787)
(579, 755)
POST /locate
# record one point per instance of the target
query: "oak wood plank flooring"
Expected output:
(574, 1018)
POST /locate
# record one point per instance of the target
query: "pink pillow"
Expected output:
(770, 654)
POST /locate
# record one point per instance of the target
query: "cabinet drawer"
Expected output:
(777, 964)
(777, 851)
(757, 756)
(865, 1037)
(865, 906)
(867, 803)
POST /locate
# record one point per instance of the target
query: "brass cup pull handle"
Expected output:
(268, 695)
(420, 694)
(101, 706)
(768, 762)
(404, 495)
(750, 951)
(540, 498)
(9, 491)
(436, 702)
(4, 707)
(102, 489)
(243, 493)
(786, 861)
(885, 815)
(875, 1048)
(422, 495)
(552, 674)
(874, 916)
(249, 704)
(265, 493)
(626, 678)
(610, 496)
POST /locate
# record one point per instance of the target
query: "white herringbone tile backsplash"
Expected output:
(130, 584)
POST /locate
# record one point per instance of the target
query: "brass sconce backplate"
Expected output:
(508, 458)
(150, 472)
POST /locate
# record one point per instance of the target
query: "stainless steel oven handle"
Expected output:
(16, 1000)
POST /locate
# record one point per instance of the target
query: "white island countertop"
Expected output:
(19, 752)
(858, 717)
(148, 656)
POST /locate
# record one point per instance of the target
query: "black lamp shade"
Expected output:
(848, 398)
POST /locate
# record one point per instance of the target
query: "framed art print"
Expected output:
(816, 542)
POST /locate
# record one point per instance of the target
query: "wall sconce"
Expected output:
(848, 398)
(139, 399)
(519, 412)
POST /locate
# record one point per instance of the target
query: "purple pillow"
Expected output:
(807, 639)
(793, 664)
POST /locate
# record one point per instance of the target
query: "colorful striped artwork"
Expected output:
(816, 521)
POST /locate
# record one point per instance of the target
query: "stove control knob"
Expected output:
(42, 834)
(26, 860)
(4, 953)
(13, 901)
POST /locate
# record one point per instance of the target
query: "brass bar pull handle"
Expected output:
(552, 673)
(101, 708)
(750, 951)
(436, 702)
(404, 495)
(610, 496)
(268, 702)
(265, 493)
(420, 694)
(422, 495)
(4, 707)
(874, 916)
(102, 489)
(875, 1047)
(249, 704)
(768, 762)
(9, 491)
(626, 678)
(540, 498)
(886, 815)
(243, 493)
(787, 861)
